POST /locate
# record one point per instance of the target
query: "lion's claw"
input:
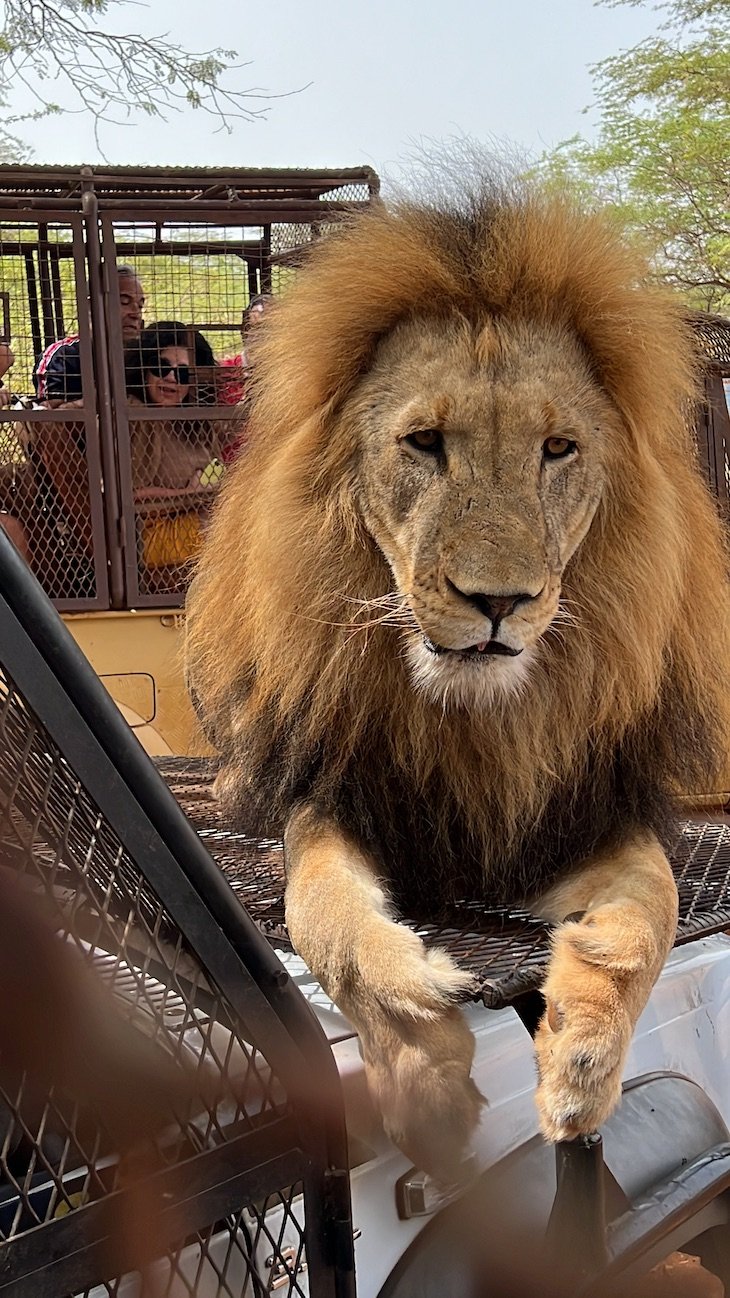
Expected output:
(580, 1068)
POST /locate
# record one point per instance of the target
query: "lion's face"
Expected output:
(483, 457)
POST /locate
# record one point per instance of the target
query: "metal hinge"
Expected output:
(338, 1221)
(285, 1268)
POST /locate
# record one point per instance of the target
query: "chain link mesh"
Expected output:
(44, 506)
(56, 1158)
(505, 950)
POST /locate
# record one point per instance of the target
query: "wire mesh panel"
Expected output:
(180, 389)
(247, 1179)
(712, 427)
(170, 469)
(200, 246)
(50, 467)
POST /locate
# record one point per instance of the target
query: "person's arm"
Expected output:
(156, 501)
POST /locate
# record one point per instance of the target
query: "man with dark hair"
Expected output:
(57, 375)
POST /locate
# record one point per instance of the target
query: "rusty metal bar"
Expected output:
(247, 212)
(249, 248)
(103, 396)
(718, 427)
(57, 291)
(126, 535)
(94, 457)
(45, 416)
(265, 272)
(182, 414)
(252, 274)
(19, 247)
(35, 320)
(44, 280)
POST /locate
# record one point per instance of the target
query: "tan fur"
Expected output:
(333, 550)
(602, 970)
(286, 554)
(417, 1048)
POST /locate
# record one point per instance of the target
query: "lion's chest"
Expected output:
(436, 852)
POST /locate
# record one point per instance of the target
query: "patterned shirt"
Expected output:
(57, 375)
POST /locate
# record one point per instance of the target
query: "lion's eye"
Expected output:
(427, 439)
(556, 448)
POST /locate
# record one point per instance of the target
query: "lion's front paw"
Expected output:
(419, 1073)
(418, 1049)
(580, 1066)
(582, 1041)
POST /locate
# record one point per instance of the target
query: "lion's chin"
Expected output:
(472, 682)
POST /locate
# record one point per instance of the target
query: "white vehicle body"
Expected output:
(685, 1029)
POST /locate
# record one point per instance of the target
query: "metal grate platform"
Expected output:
(505, 950)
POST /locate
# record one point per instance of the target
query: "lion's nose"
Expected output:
(495, 607)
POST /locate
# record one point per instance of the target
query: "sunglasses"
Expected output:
(181, 373)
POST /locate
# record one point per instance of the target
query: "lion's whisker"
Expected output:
(387, 619)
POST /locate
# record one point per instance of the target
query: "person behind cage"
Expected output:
(169, 470)
(57, 456)
(234, 385)
(175, 463)
(57, 373)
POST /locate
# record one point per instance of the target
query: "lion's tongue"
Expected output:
(482, 646)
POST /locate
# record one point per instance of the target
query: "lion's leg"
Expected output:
(417, 1048)
(620, 914)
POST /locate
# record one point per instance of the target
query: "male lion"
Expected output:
(460, 626)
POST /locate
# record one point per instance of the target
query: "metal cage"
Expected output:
(202, 244)
(259, 1172)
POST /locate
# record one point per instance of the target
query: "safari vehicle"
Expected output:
(203, 243)
(282, 1179)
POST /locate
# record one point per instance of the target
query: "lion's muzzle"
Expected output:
(484, 648)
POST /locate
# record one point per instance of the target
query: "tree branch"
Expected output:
(112, 74)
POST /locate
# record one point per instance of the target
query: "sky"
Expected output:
(367, 81)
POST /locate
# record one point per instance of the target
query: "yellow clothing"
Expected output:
(168, 541)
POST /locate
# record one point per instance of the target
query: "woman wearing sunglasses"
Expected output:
(174, 460)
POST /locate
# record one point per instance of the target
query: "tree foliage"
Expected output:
(51, 49)
(662, 150)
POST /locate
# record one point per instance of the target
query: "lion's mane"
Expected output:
(621, 711)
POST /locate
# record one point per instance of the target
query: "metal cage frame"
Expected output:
(307, 1144)
(80, 216)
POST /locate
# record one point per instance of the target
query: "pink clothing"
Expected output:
(231, 390)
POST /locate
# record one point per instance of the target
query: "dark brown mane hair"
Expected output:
(627, 709)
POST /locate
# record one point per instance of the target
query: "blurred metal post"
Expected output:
(575, 1239)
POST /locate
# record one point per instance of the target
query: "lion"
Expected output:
(459, 630)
